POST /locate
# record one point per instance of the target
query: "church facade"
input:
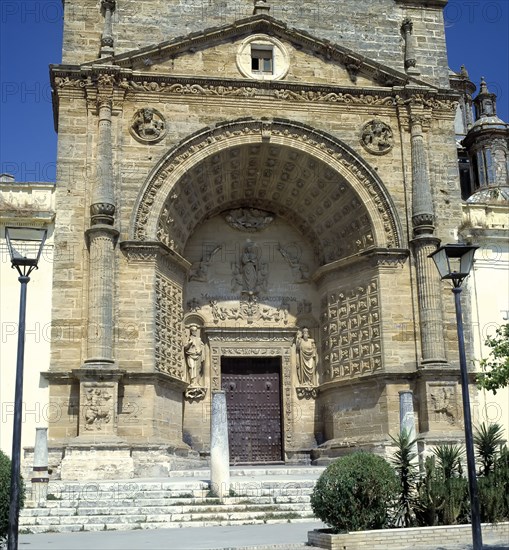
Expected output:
(246, 201)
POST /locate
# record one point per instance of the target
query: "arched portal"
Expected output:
(272, 222)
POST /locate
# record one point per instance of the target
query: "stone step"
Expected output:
(35, 529)
(138, 509)
(312, 471)
(176, 502)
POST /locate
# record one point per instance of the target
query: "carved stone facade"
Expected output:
(258, 192)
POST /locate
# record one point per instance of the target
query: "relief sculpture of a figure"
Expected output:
(194, 350)
(250, 274)
(306, 358)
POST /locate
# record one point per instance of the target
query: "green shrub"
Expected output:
(5, 490)
(356, 492)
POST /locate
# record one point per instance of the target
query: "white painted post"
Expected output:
(219, 450)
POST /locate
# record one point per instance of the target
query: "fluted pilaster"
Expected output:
(424, 243)
(102, 240)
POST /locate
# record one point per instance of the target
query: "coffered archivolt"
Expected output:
(315, 182)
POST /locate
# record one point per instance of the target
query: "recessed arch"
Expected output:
(313, 180)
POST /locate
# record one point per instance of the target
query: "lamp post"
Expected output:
(25, 246)
(454, 262)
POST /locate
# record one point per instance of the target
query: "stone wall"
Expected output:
(372, 29)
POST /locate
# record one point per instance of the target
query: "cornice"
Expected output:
(146, 251)
(376, 257)
(78, 81)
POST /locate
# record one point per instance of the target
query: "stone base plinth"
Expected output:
(160, 460)
(80, 461)
(97, 461)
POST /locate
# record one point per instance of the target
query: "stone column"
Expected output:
(219, 449)
(107, 37)
(424, 243)
(99, 376)
(40, 476)
(102, 238)
(406, 412)
(410, 46)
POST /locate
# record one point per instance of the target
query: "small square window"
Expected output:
(262, 59)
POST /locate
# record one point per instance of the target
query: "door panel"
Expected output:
(253, 399)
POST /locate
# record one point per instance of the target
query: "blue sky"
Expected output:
(31, 36)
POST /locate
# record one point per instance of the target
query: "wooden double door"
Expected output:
(253, 399)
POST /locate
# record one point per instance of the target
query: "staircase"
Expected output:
(258, 495)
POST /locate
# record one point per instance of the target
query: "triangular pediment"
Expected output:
(214, 53)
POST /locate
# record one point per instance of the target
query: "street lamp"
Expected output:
(454, 262)
(25, 246)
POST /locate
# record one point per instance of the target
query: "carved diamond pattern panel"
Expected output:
(168, 333)
(351, 343)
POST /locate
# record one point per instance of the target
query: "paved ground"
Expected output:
(239, 537)
(283, 535)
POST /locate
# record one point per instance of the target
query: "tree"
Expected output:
(496, 366)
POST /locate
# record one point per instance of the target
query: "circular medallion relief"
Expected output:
(377, 137)
(148, 126)
(263, 57)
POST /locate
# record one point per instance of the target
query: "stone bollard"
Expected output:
(407, 416)
(40, 476)
(406, 412)
(219, 450)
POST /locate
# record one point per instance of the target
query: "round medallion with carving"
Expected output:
(148, 126)
(377, 137)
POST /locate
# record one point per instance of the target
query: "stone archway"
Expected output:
(314, 184)
(188, 183)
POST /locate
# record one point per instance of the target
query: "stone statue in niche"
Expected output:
(307, 358)
(248, 219)
(199, 271)
(250, 274)
(148, 125)
(194, 351)
(300, 271)
(377, 137)
(97, 407)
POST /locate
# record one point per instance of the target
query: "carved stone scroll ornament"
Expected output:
(377, 137)
(306, 392)
(195, 393)
(250, 311)
(248, 219)
(148, 126)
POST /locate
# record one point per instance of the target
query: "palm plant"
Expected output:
(449, 458)
(404, 462)
(488, 439)
(454, 485)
